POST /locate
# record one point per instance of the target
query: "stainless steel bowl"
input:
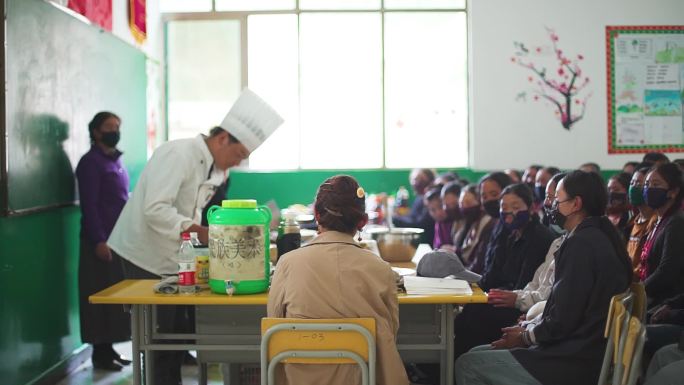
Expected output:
(398, 244)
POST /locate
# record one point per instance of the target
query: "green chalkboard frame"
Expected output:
(59, 72)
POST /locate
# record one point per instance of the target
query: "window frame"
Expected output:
(242, 17)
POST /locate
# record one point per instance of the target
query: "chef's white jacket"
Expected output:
(169, 197)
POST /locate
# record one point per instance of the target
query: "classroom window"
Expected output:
(203, 75)
(359, 86)
(185, 6)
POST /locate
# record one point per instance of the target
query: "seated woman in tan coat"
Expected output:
(333, 277)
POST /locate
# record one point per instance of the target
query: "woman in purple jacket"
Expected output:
(103, 189)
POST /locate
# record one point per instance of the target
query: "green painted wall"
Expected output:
(39, 314)
(291, 187)
(39, 302)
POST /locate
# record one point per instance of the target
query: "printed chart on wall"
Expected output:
(645, 88)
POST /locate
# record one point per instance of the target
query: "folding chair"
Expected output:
(618, 320)
(318, 341)
(633, 350)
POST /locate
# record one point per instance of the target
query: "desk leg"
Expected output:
(444, 341)
(449, 343)
(150, 324)
(135, 343)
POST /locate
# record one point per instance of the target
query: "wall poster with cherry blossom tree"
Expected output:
(556, 78)
(645, 73)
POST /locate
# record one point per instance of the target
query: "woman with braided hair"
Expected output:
(333, 277)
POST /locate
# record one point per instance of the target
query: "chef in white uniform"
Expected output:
(176, 184)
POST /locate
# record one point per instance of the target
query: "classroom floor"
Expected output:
(86, 375)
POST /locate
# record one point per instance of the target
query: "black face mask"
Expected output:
(492, 208)
(617, 199)
(557, 218)
(111, 138)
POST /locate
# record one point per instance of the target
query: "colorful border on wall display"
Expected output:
(643, 128)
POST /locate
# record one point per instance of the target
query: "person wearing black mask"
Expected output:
(519, 252)
(662, 259)
(643, 222)
(566, 346)
(472, 239)
(103, 188)
(619, 211)
(450, 194)
(540, 182)
(548, 201)
(491, 186)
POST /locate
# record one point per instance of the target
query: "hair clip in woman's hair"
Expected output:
(360, 193)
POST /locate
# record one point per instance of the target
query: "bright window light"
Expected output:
(166, 6)
(203, 74)
(341, 90)
(425, 90)
(273, 56)
(255, 5)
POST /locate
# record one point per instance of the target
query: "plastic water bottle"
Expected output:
(186, 266)
(194, 239)
(201, 260)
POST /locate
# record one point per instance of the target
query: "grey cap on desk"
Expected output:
(440, 264)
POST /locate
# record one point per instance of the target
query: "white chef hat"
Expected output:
(251, 120)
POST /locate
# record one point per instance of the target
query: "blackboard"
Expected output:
(60, 71)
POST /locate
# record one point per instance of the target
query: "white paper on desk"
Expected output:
(425, 285)
(403, 271)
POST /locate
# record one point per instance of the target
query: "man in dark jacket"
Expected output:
(418, 217)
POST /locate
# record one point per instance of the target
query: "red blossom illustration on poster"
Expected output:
(560, 83)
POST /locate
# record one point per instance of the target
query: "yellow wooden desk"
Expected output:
(226, 334)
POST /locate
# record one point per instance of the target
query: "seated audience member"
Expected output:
(655, 158)
(665, 327)
(514, 175)
(472, 239)
(591, 167)
(530, 175)
(450, 194)
(519, 252)
(619, 211)
(522, 248)
(536, 292)
(630, 167)
(490, 187)
(643, 222)
(540, 182)
(662, 259)
(445, 178)
(309, 282)
(667, 367)
(548, 202)
(567, 345)
(420, 179)
(443, 225)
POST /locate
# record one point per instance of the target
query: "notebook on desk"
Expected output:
(443, 286)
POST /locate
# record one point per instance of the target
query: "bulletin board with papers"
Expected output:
(645, 73)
